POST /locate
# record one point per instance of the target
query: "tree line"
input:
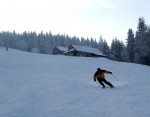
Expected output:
(138, 43)
(135, 50)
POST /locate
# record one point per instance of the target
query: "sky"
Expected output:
(81, 18)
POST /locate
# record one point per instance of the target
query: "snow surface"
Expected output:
(37, 85)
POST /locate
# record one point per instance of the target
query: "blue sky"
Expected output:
(83, 18)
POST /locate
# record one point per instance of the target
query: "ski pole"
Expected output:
(115, 77)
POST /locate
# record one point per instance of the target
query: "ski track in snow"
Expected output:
(36, 85)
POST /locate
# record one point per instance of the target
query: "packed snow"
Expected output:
(38, 85)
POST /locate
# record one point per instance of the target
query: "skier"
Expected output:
(99, 75)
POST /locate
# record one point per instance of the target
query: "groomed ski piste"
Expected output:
(38, 85)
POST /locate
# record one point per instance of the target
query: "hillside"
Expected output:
(37, 85)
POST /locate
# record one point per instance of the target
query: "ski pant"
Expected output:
(105, 81)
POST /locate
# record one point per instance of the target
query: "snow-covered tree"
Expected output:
(130, 45)
(117, 48)
(22, 45)
(141, 47)
(103, 46)
(106, 49)
(148, 46)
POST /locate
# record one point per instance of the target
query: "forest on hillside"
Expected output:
(135, 50)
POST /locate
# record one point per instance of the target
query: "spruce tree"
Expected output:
(148, 46)
(130, 45)
(140, 47)
(117, 48)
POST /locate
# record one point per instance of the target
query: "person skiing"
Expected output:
(99, 75)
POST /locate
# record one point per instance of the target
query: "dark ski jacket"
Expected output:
(100, 74)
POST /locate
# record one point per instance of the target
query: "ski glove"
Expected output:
(94, 79)
(110, 72)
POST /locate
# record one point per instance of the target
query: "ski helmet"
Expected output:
(98, 69)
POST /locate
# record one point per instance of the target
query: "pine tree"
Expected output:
(100, 44)
(148, 45)
(106, 50)
(124, 54)
(130, 45)
(140, 47)
(117, 48)
(103, 46)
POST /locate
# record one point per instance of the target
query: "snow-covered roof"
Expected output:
(87, 49)
(62, 48)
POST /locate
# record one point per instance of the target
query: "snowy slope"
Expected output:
(36, 85)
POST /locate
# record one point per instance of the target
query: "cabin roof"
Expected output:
(62, 48)
(87, 49)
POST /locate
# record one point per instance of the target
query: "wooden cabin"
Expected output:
(86, 51)
(58, 50)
